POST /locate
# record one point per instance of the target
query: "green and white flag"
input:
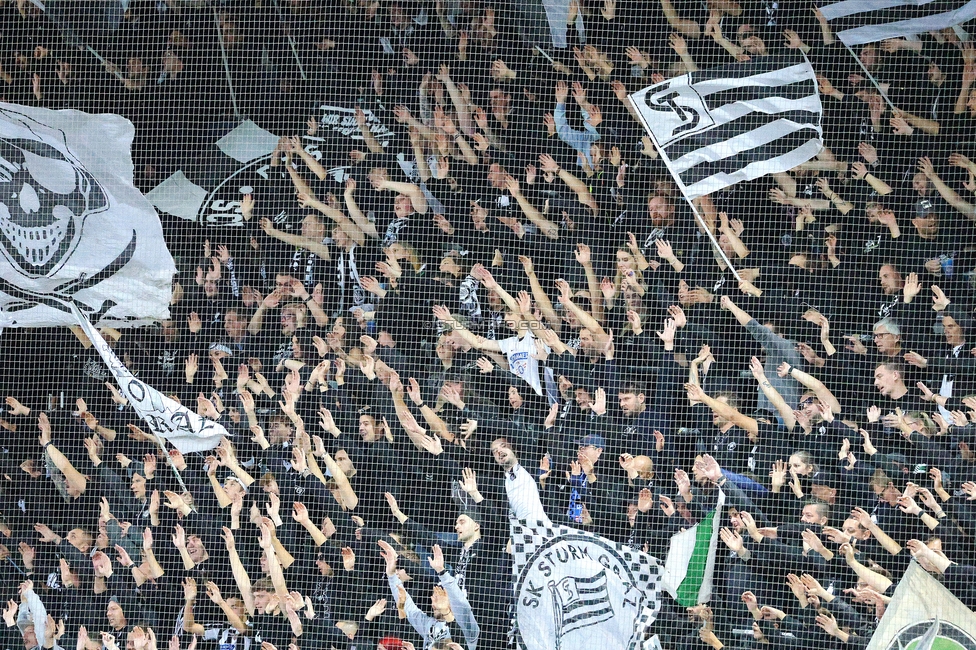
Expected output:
(691, 560)
(924, 615)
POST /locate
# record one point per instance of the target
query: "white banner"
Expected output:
(73, 227)
(924, 614)
(574, 589)
(856, 22)
(722, 126)
(166, 417)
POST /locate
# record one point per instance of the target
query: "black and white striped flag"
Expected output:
(856, 22)
(719, 127)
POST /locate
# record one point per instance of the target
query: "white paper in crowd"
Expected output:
(924, 611)
(178, 196)
(722, 126)
(247, 142)
(166, 417)
(856, 22)
(73, 227)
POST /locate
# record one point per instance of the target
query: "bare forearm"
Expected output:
(887, 542)
(580, 189)
(299, 182)
(222, 499)
(776, 399)
(348, 495)
(468, 154)
(823, 393)
(684, 27)
(877, 184)
(358, 217)
(873, 580)
(952, 198)
(73, 477)
(242, 579)
(314, 165)
(743, 317)
(545, 305)
(371, 142)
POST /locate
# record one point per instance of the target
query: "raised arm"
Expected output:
(213, 591)
(348, 195)
(681, 25)
(241, 578)
(74, 479)
(809, 381)
(883, 538)
(539, 294)
(873, 580)
(740, 314)
(441, 313)
(313, 165)
(433, 420)
(483, 275)
(950, 195)
(785, 410)
(346, 493)
(372, 143)
(412, 191)
(465, 118)
(548, 164)
(584, 316)
(723, 409)
(318, 248)
(548, 228)
(341, 220)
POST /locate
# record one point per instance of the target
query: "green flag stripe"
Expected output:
(687, 594)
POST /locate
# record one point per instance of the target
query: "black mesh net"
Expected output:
(470, 324)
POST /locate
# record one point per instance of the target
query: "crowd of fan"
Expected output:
(532, 291)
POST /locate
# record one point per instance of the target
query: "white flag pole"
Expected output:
(291, 42)
(884, 95)
(223, 54)
(681, 186)
(113, 69)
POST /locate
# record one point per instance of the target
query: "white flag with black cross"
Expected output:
(722, 126)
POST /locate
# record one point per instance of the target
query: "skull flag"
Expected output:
(73, 227)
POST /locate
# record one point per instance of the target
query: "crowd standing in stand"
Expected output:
(511, 278)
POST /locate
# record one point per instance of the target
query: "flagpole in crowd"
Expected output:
(291, 42)
(681, 186)
(709, 141)
(874, 81)
(185, 428)
(111, 68)
(223, 55)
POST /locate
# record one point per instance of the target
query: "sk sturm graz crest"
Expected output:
(45, 195)
(575, 590)
(222, 206)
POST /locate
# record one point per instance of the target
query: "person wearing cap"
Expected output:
(118, 623)
(587, 501)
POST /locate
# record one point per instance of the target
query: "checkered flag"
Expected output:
(548, 556)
